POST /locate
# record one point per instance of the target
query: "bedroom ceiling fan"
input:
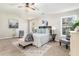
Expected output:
(29, 5)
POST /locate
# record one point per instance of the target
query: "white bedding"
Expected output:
(40, 39)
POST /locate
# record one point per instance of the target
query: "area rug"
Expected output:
(32, 50)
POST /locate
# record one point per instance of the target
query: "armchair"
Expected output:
(65, 40)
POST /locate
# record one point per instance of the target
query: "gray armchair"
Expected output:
(65, 40)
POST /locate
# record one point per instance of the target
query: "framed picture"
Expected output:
(13, 23)
(45, 22)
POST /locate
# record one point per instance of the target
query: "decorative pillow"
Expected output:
(29, 37)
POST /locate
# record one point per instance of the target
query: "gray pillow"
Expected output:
(29, 38)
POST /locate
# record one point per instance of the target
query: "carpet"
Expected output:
(32, 50)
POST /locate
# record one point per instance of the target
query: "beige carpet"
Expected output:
(57, 50)
(7, 48)
(34, 51)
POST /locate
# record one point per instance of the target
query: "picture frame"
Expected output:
(13, 23)
(45, 22)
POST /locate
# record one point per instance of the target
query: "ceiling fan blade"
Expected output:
(33, 3)
(32, 8)
(29, 4)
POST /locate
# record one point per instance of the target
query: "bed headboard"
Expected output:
(45, 29)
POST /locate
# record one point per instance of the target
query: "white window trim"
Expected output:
(65, 17)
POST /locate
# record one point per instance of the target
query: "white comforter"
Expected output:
(40, 39)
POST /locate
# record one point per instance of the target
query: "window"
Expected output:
(67, 24)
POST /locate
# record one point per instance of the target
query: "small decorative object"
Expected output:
(35, 29)
(45, 22)
(13, 23)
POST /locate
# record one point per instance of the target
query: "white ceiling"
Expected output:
(57, 7)
(46, 8)
(21, 12)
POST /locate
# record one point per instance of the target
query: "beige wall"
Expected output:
(35, 23)
(6, 32)
(54, 20)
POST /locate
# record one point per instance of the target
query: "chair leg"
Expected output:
(60, 43)
(22, 46)
(66, 46)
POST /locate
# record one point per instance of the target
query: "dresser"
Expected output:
(74, 43)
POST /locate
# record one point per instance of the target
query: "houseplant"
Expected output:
(75, 25)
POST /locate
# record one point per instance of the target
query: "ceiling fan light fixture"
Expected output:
(28, 9)
(27, 4)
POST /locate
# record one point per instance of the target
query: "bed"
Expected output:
(41, 37)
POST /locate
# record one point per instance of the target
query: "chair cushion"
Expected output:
(25, 43)
(65, 41)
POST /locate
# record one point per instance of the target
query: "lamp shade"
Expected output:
(53, 28)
